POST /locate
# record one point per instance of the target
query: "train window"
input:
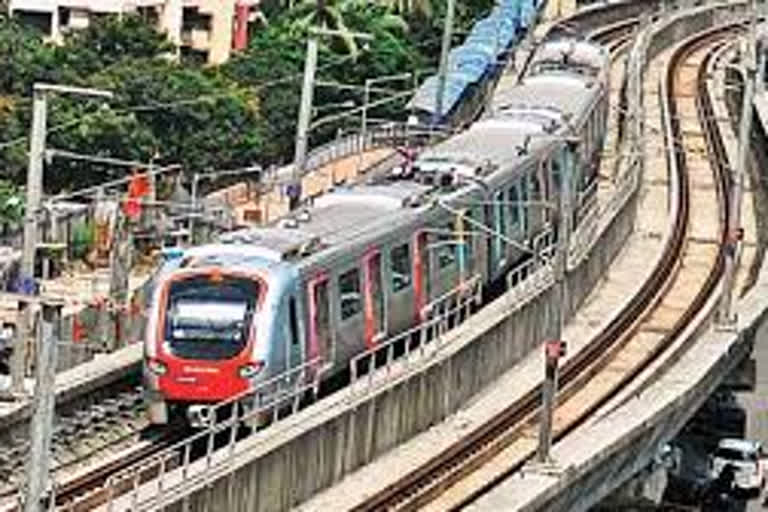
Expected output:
(524, 199)
(557, 170)
(446, 247)
(209, 319)
(534, 186)
(400, 263)
(293, 321)
(514, 207)
(500, 226)
(467, 237)
(321, 321)
(349, 293)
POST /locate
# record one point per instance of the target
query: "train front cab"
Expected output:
(207, 341)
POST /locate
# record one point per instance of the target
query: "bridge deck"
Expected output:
(629, 270)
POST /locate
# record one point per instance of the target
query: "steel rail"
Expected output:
(89, 484)
(430, 480)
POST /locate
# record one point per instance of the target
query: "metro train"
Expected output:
(360, 263)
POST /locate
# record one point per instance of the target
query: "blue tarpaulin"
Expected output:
(468, 64)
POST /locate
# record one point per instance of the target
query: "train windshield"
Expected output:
(209, 319)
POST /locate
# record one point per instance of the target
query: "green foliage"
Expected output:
(83, 235)
(241, 113)
(11, 203)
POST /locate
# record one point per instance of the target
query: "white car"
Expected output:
(746, 458)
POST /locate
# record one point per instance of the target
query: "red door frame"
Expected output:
(369, 305)
(313, 348)
(419, 279)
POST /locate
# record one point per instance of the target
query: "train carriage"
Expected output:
(359, 264)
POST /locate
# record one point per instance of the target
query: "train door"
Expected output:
(444, 251)
(525, 210)
(421, 275)
(466, 244)
(544, 177)
(294, 348)
(498, 252)
(320, 343)
(375, 309)
(350, 324)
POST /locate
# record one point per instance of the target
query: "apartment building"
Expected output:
(206, 29)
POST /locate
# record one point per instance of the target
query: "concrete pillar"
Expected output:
(222, 18)
(55, 25)
(171, 21)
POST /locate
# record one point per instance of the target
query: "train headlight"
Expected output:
(157, 367)
(249, 370)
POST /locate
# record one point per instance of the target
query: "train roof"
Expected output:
(569, 53)
(335, 218)
(565, 97)
(495, 141)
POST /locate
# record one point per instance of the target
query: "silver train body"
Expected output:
(359, 264)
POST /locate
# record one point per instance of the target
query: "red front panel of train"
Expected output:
(206, 335)
(202, 381)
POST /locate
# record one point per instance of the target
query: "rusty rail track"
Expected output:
(431, 480)
(85, 492)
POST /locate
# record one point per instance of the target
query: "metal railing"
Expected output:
(441, 315)
(269, 402)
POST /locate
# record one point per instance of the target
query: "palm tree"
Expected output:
(327, 14)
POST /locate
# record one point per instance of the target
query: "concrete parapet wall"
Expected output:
(288, 463)
(597, 458)
(285, 465)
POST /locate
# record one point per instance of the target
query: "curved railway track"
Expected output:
(83, 491)
(685, 278)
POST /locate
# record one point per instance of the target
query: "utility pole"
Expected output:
(37, 482)
(293, 189)
(366, 101)
(555, 349)
(443, 71)
(34, 193)
(726, 318)
(302, 129)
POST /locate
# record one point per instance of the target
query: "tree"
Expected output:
(330, 14)
(109, 41)
(192, 116)
(11, 203)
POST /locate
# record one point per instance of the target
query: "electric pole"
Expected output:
(34, 195)
(734, 233)
(293, 190)
(555, 349)
(443, 71)
(302, 128)
(27, 270)
(37, 482)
